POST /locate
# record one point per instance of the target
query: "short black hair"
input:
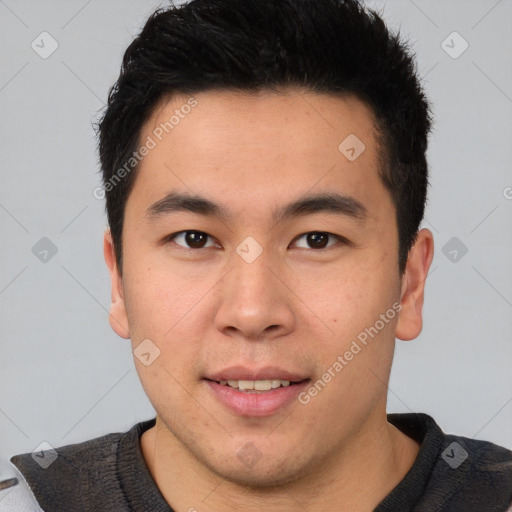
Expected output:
(324, 46)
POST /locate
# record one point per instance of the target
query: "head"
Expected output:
(265, 177)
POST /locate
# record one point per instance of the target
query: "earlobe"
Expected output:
(118, 318)
(410, 321)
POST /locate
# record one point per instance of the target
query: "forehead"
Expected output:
(259, 145)
(258, 117)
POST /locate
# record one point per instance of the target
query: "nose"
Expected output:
(255, 302)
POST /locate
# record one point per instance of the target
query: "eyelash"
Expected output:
(170, 238)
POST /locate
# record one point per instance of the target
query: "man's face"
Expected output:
(255, 295)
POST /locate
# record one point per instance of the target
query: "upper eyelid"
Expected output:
(338, 237)
(174, 235)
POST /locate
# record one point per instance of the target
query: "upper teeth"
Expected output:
(258, 385)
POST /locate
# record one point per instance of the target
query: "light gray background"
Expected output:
(66, 377)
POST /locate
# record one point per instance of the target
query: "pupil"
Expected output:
(316, 239)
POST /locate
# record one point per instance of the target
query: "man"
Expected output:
(265, 178)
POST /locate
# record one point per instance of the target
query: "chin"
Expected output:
(251, 469)
(262, 478)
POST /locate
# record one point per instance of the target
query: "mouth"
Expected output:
(257, 386)
(256, 393)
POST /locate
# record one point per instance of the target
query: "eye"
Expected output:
(192, 239)
(319, 239)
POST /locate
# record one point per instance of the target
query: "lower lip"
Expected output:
(256, 404)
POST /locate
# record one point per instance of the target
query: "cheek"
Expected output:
(355, 304)
(159, 311)
(157, 299)
(160, 308)
(354, 361)
(347, 298)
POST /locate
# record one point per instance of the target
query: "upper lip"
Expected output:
(265, 373)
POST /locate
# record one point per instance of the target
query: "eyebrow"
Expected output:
(329, 202)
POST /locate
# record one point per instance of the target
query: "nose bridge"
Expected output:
(253, 299)
(251, 274)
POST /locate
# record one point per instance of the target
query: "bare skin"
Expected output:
(296, 307)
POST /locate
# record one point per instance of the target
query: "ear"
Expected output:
(410, 321)
(118, 318)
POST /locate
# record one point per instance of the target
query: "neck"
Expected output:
(355, 478)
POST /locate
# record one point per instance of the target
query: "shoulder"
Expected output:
(71, 460)
(472, 474)
(483, 457)
(453, 472)
(84, 474)
(15, 494)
